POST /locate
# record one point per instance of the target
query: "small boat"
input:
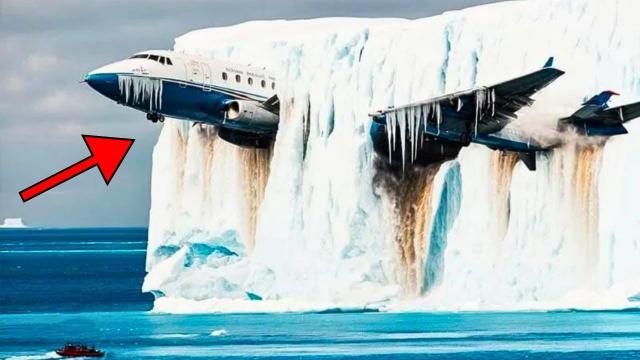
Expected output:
(72, 350)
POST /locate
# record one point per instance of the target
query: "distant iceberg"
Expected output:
(13, 223)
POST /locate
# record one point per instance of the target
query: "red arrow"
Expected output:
(107, 154)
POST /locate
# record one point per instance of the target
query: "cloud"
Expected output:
(14, 84)
(42, 62)
(62, 102)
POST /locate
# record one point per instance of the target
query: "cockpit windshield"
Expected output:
(161, 59)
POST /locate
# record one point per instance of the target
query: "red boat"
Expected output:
(71, 350)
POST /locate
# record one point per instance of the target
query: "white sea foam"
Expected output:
(44, 356)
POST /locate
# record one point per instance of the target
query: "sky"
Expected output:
(46, 47)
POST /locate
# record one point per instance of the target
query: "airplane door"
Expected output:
(206, 73)
(194, 72)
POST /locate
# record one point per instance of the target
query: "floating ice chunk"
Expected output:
(218, 332)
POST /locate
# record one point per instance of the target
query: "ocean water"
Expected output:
(84, 286)
(62, 270)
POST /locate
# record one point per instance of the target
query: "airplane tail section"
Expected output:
(608, 122)
(601, 99)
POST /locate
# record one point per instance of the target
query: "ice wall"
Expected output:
(316, 223)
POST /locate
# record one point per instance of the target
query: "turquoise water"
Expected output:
(139, 335)
(84, 286)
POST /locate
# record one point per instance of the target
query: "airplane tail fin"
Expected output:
(549, 63)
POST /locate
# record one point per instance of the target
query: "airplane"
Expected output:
(239, 99)
(596, 118)
(438, 128)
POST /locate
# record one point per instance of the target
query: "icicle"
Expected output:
(137, 90)
(394, 123)
(391, 122)
(424, 128)
(425, 116)
(480, 105)
(387, 120)
(416, 119)
(493, 102)
(415, 126)
(402, 121)
(410, 126)
(438, 115)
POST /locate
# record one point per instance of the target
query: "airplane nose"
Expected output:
(104, 83)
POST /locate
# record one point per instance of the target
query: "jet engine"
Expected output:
(246, 139)
(250, 113)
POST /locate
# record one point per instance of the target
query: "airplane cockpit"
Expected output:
(164, 60)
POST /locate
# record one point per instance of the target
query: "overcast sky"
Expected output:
(46, 48)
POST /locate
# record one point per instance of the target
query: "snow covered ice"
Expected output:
(308, 225)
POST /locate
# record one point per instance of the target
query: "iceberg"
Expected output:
(316, 223)
(13, 223)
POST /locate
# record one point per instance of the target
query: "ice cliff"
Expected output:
(314, 223)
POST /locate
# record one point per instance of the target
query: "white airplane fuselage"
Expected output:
(165, 83)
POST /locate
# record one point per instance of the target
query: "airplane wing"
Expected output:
(507, 97)
(272, 104)
(471, 115)
(519, 90)
(481, 110)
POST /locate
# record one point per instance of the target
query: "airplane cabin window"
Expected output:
(273, 85)
(250, 81)
(169, 62)
(224, 76)
(263, 83)
(153, 57)
(238, 78)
